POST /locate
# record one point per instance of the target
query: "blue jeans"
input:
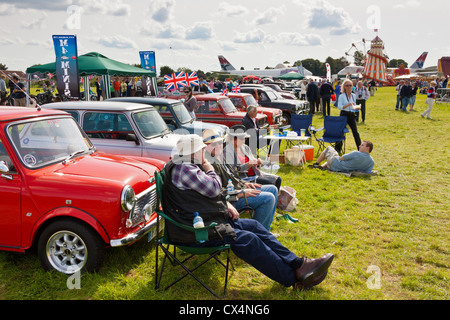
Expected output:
(258, 247)
(405, 102)
(264, 205)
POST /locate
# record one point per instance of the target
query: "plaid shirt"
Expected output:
(188, 176)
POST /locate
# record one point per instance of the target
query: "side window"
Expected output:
(211, 107)
(74, 115)
(103, 125)
(238, 102)
(202, 107)
(5, 158)
(263, 97)
(161, 108)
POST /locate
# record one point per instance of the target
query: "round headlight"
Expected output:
(127, 199)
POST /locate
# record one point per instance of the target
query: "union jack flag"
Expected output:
(236, 88)
(175, 80)
(191, 79)
(225, 92)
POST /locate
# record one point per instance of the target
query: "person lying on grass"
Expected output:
(360, 161)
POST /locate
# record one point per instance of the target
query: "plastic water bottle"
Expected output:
(198, 221)
(230, 186)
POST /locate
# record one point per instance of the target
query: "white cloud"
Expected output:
(408, 4)
(232, 11)
(161, 10)
(324, 15)
(163, 44)
(107, 7)
(270, 15)
(254, 36)
(38, 23)
(119, 42)
(200, 30)
(297, 39)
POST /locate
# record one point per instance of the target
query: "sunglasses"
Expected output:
(216, 144)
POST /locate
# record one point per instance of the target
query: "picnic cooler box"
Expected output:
(309, 152)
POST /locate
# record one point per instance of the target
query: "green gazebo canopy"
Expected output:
(95, 63)
(291, 76)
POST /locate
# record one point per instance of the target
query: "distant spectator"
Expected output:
(326, 90)
(19, 92)
(312, 95)
(190, 101)
(362, 95)
(431, 94)
(3, 91)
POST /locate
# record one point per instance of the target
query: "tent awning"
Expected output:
(97, 64)
(291, 76)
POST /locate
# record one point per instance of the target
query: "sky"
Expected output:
(250, 34)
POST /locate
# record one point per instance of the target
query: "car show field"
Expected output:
(389, 232)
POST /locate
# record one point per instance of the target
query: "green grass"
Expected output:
(397, 221)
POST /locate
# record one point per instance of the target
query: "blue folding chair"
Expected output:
(300, 121)
(335, 129)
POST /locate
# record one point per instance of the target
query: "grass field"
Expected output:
(396, 222)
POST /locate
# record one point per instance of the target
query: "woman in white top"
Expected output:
(347, 105)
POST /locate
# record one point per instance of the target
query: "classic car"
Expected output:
(60, 195)
(216, 108)
(271, 99)
(176, 115)
(123, 127)
(278, 87)
(242, 100)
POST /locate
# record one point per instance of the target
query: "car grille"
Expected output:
(147, 196)
(277, 119)
(262, 122)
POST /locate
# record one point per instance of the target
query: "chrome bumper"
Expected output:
(136, 235)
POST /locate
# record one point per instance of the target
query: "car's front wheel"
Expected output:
(69, 246)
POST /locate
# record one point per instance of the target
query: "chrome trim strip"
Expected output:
(134, 236)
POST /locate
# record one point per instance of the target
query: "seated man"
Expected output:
(262, 198)
(354, 161)
(193, 186)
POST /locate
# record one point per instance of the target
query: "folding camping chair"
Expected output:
(301, 121)
(201, 234)
(335, 130)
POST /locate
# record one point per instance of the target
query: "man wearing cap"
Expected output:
(191, 185)
(262, 198)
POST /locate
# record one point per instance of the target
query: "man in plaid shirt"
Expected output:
(251, 242)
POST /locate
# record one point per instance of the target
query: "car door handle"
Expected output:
(7, 176)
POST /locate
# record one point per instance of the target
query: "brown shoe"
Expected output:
(312, 269)
(299, 286)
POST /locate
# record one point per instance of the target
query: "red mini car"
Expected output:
(242, 100)
(215, 108)
(59, 193)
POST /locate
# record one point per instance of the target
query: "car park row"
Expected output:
(79, 176)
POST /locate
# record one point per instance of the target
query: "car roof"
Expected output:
(144, 100)
(98, 105)
(210, 96)
(16, 113)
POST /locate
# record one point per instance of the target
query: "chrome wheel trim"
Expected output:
(66, 252)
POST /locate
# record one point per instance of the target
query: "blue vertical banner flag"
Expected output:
(148, 62)
(67, 76)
